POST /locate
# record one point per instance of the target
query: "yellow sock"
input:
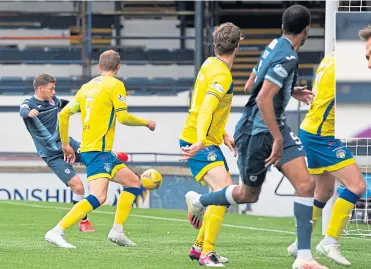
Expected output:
(317, 212)
(77, 213)
(123, 207)
(201, 234)
(212, 229)
(340, 213)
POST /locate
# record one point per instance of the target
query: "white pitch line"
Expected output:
(156, 218)
(175, 220)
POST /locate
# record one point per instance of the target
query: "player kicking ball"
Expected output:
(263, 139)
(40, 115)
(101, 101)
(203, 133)
(328, 159)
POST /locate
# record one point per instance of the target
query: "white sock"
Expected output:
(328, 240)
(229, 194)
(198, 249)
(196, 202)
(77, 197)
(118, 228)
(304, 254)
(58, 229)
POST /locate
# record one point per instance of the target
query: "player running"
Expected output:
(203, 133)
(328, 159)
(101, 101)
(262, 137)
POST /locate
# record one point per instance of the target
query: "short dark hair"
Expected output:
(43, 80)
(295, 19)
(226, 37)
(109, 60)
(365, 33)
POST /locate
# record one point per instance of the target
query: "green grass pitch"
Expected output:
(163, 237)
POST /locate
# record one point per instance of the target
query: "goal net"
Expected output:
(360, 219)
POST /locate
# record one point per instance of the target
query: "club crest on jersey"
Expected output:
(280, 71)
(67, 171)
(340, 153)
(122, 98)
(217, 87)
(211, 156)
(107, 167)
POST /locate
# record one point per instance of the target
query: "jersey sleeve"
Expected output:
(25, 108)
(64, 116)
(217, 88)
(278, 71)
(219, 85)
(118, 97)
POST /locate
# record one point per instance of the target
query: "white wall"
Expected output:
(351, 119)
(351, 63)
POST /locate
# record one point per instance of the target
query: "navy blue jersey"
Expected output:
(44, 127)
(278, 64)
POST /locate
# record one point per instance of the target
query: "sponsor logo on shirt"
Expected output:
(280, 71)
(217, 87)
(122, 98)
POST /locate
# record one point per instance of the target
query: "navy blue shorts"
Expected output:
(253, 150)
(63, 170)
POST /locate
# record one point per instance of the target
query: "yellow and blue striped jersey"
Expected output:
(210, 105)
(320, 119)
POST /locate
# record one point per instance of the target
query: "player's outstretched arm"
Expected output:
(128, 119)
(118, 98)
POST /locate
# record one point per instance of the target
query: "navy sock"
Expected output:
(303, 211)
(215, 198)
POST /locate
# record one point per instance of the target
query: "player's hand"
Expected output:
(302, 94)
(276, 154)
(69, 153)
(151, 125)
(33, 113)
(189, 152)
(229, 142)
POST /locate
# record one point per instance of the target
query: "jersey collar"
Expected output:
(289, 42)
(216, 57)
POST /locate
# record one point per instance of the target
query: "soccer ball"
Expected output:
(151, 179)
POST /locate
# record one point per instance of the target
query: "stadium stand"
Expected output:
(142, 48)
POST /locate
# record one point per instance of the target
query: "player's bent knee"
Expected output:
(323, 195)
(246, 194)
(101, 198)
(133, 182)
(76, 185)
(359, 188)
(305, 188)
